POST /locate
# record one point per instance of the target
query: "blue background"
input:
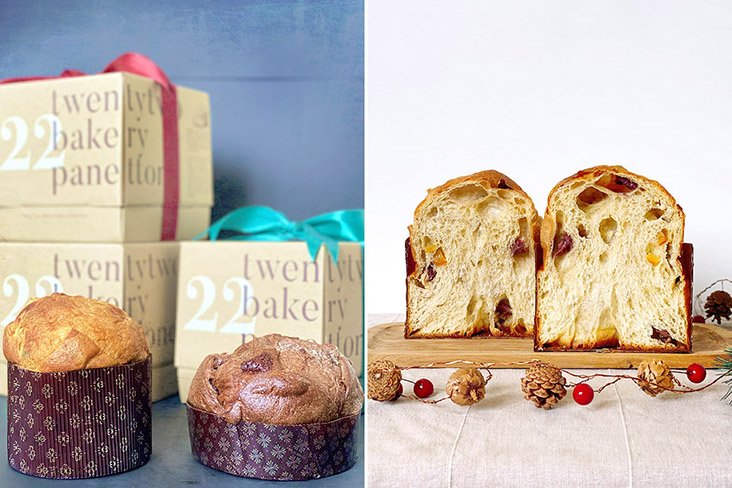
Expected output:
(286, 80)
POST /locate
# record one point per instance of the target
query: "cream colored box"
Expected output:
(231, 289)
(81, 160)
(139, 278)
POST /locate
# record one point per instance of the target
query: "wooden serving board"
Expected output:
(386, 341)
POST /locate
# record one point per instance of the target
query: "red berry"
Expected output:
(423, 388)
(697, 319)
(399, 392)
(696, 373)
(583, 394)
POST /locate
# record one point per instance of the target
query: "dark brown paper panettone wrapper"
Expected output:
(79, 424)
(273, 452)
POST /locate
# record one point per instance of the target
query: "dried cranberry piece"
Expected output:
(503, 311)
(564, 246)
(259, 364)
(519, 247)
(431, 272)
(502, 184)
(626, 182)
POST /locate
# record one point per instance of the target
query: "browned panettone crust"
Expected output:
(277, 380)
(65, 333)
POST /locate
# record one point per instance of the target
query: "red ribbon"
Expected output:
(139, 64)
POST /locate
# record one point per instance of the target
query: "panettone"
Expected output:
(471, 260)
(84, 366)
(65, 333)
(616, 271)
(277, 380)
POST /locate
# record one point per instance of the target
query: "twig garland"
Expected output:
(431, 402)
(636, 380)
(646, 378)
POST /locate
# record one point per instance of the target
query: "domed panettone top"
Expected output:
(277, 380)
(65, 333)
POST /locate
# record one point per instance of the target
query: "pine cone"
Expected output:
(383, 381)
(655, 376)
(543, 385)
(466, 386)
(719, 304)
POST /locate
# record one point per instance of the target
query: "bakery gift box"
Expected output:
(139, 278)
(228, 290)
(83, 159)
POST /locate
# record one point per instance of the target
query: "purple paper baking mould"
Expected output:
(79, 424)
(273, 452)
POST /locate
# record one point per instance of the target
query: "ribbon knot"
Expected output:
(293, 227)
(266, 224)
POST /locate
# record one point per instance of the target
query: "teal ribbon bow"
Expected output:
(266, 224)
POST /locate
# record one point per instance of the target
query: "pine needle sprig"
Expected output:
(726, 364)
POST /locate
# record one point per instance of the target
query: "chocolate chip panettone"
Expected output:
(65, 333)
(277, 380)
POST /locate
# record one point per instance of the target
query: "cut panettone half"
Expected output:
(471, 260)
(615, 271)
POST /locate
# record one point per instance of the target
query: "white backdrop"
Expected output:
(540, 90)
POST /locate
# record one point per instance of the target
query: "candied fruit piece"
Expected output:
(653, 259)
(411, 263)
(662, 238)
(653, 214)
(439, 258)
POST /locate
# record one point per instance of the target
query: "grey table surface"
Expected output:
(172, 463)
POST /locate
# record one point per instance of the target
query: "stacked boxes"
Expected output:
(81, 198)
